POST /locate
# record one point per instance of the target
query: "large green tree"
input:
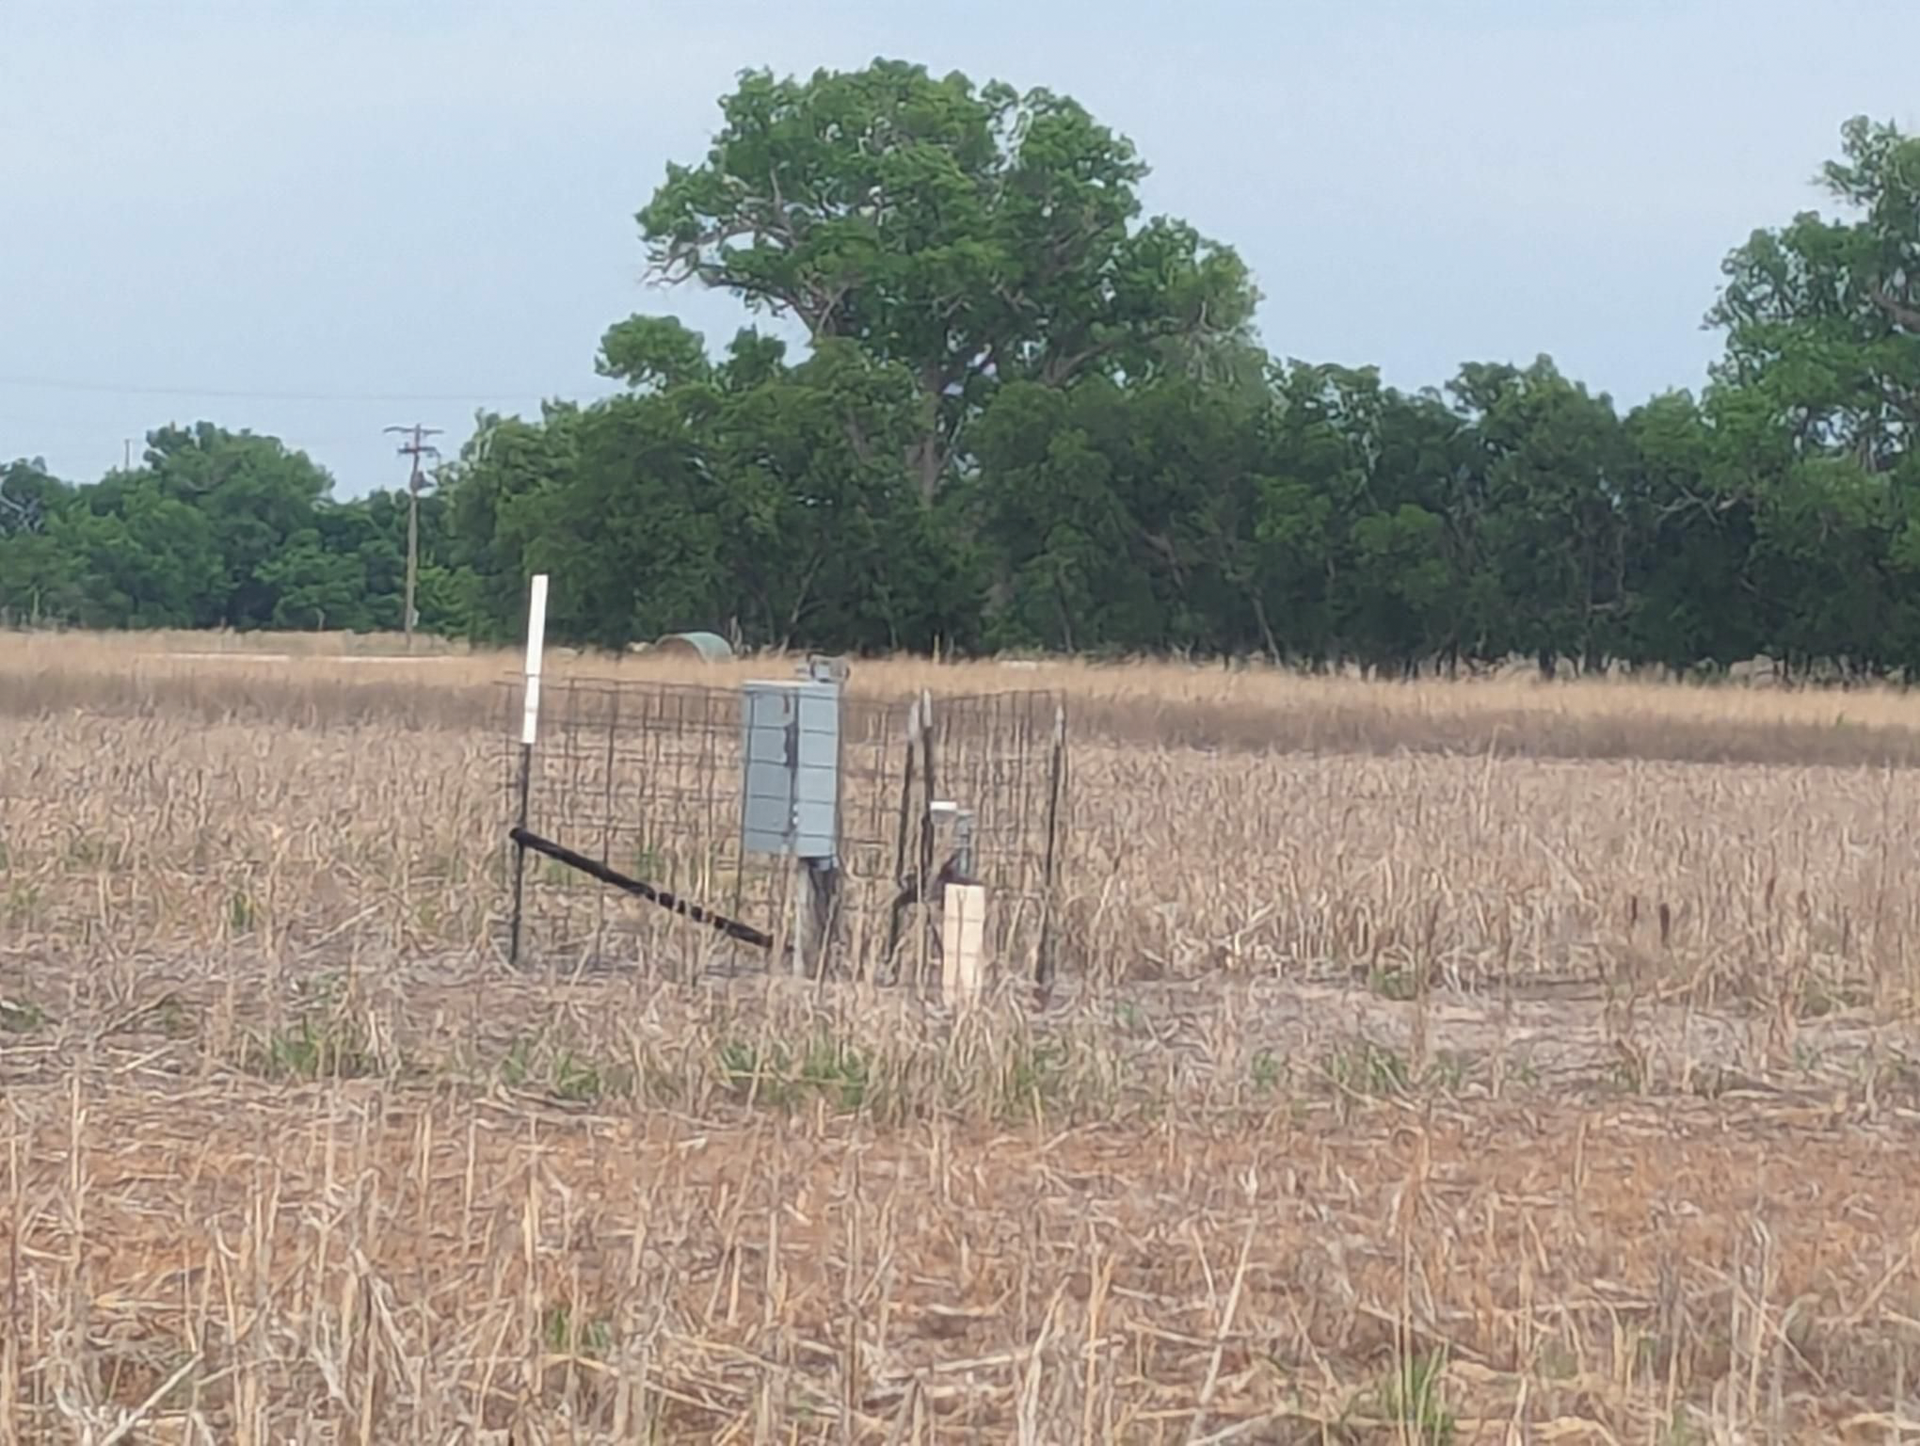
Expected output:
(29, 495)
(1550, 460)
(497, 491)
(215, 528)
(252, 493)
(749, 493)
(1823, 315)
(143, 559)
(1689, 594)
(1817, 404)
(972, 235)
(1399, 485)
(35, 580)
(1027, 414)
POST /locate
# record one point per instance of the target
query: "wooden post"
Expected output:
(963, 941)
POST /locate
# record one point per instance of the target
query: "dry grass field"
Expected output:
(1435, 1063)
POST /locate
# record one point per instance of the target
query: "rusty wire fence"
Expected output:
(646, 778)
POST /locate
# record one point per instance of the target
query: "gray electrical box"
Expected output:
(790, 802)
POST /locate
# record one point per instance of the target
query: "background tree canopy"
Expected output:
(1028, 415)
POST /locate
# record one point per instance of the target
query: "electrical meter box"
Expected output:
(790, 800)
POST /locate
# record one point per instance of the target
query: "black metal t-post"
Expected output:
(1056, 790)
(520, 851)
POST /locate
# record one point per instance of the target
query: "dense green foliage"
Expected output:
(1030, 417)
(216, 529)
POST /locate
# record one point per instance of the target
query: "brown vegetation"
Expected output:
(1440, 1063)
(325, 679)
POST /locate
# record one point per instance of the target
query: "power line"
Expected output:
(60, 384)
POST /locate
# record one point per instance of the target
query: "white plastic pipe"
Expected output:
(536, 651)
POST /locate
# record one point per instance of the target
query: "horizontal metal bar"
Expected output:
(593, 868)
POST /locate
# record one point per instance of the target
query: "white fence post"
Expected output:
(529, 731)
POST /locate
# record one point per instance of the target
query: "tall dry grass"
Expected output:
(1398, 1093)
(325, 679)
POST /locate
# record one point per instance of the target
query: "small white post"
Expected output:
(529, 729)
(963, 941)
(536, 650)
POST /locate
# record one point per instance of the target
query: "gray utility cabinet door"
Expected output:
(791, 796)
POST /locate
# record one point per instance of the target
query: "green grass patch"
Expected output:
(318, 1046)
(21, 1016)
(565, 1334)
(774, 1074)
(1411, 1397)
(564, 1073)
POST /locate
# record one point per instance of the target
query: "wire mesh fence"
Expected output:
(645, 779)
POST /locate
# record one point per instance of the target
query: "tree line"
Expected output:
(217, 529)
(1030, 417)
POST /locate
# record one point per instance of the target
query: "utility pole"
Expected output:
(415, 447)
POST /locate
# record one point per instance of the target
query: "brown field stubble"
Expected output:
(1485, 1062)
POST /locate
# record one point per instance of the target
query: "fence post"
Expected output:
(529, 731)
(963, 937)
(1050, 869)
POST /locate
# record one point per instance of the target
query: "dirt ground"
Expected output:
(1387, 1094)
(1572, 1252)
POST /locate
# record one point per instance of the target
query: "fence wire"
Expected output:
(646, 778)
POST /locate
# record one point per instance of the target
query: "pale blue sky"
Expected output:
(341, 214)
